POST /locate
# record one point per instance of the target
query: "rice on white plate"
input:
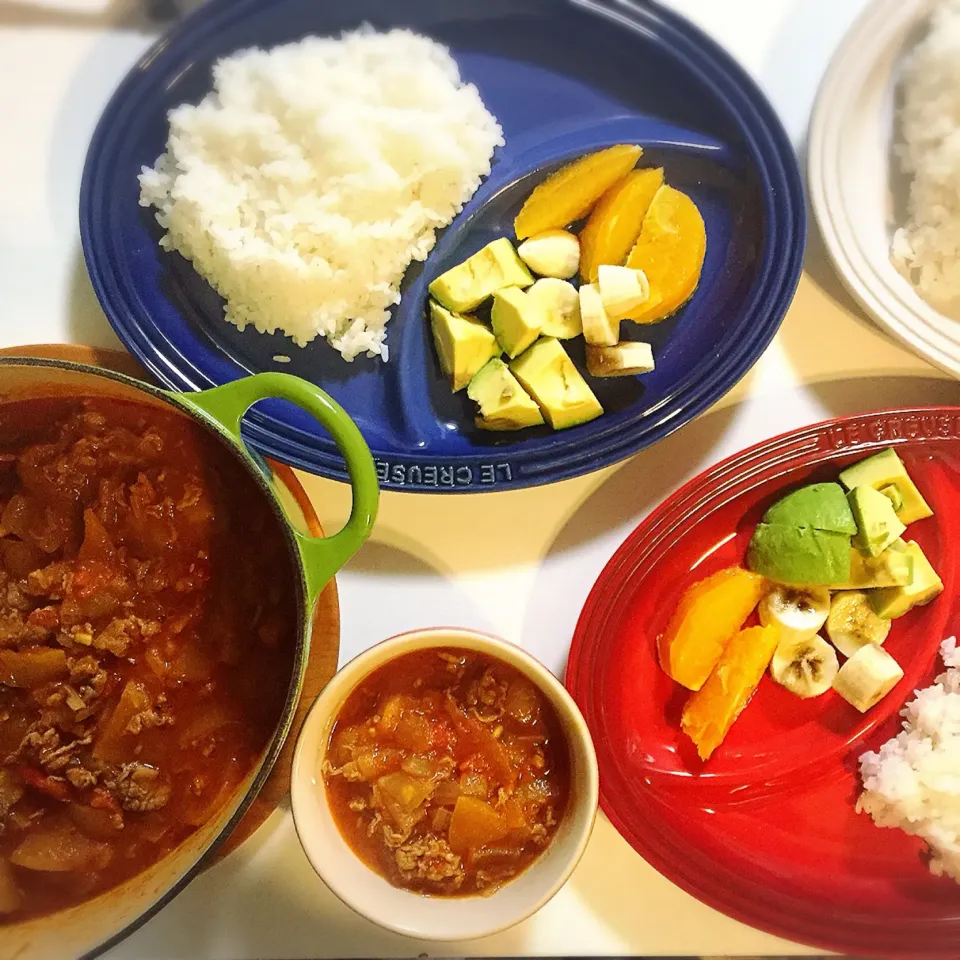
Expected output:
(913, 781)
(307, 181)
(926, 249)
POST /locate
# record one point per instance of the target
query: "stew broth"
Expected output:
(447, 772)
(147, 630)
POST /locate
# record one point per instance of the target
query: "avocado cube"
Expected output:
(883, 470)
(517, 320)
(463, 344)
(877, 522)
(893, 602)
(464, 287)
(504, 404)
(893, 494)
(555, 383)
(893, 568)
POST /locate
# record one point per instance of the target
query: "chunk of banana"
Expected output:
(852, 624)
(806, 667)
(799, 612)
(867, 677)
(561, 307)
(622, 289)
(553, 253)
(626, 359)
(598, 326)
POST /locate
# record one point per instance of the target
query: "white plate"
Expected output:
(851, 169)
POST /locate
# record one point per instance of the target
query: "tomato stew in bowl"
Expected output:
(145, 649)
(444, 784)
(447, 771)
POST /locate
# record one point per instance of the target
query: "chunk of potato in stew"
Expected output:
(146, 641)
(447, 772)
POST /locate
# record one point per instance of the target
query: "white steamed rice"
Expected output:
(913, 781)
(305, 183)
(927, 248)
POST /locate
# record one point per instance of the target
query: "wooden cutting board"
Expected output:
(325, 643)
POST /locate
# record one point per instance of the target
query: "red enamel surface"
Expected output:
(766, 831)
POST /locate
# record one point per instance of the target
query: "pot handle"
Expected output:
(226, 405)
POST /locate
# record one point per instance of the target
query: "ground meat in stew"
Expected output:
(147, 630)
(447, 772)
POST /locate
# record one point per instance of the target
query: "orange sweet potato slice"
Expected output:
(615, 223)
(708, 615)
(570, 192)
(670, 251)
(711, 711)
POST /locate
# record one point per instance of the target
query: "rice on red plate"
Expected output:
(913, 780)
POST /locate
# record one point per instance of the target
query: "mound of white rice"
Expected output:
(311, 176)
(913, 781)
(927, 248)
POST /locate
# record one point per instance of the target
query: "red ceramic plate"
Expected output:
(766, 831)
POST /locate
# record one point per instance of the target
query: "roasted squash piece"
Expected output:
(513, 815)
(708, 615)
(475, 824)
(711, 711)
(375, 761)
(32, 667)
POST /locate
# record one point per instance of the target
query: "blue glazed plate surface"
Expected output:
(563, 79)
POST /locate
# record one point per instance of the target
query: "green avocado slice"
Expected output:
(503, 403)
(463, 344)
(821, 506)
(786, 553)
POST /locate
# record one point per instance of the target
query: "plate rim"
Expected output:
(781, 262)
(795, 448)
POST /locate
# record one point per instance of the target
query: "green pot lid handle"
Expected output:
(225, 407)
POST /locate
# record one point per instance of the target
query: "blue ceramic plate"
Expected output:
(563, 78)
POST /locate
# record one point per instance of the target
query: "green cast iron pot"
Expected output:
(92, 927)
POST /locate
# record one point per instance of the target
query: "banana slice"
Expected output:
(553, 253)
(622, 289)
(561, 307)
(598, 326)
(852, 624)
(798, 612)
(627, 359)
(805, 667)
(867, 677)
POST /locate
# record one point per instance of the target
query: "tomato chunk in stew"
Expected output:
(147, 631)
(447, 772)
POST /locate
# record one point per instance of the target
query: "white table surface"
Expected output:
(443, 559)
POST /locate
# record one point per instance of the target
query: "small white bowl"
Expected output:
(412, 914)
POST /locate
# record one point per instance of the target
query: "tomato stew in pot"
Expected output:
(147, 630)
(447, 772)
